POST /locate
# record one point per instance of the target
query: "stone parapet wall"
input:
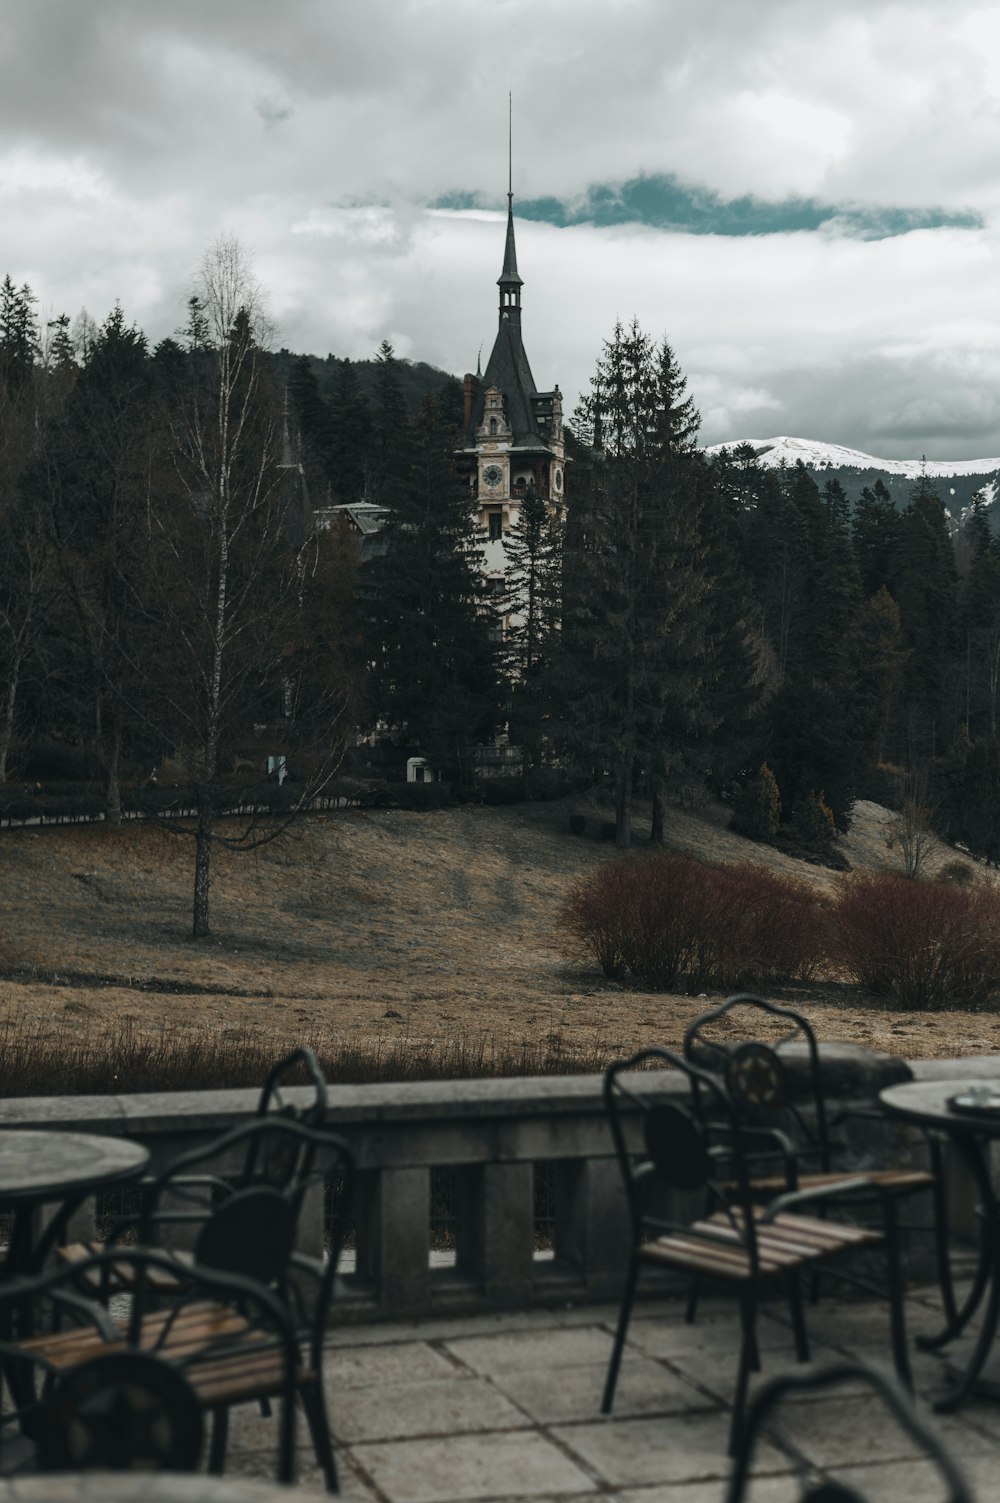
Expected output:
(491, 1135)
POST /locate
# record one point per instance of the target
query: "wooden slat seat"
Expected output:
(238, 1362)
(894, 1181)
(713, 1248)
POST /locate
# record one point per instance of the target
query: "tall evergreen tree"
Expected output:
(533, 601)
(94, 477)
(634, 650)
(924, 587)
(308, 410)
(876, 691)
(805, 586)
(388, 455)
(60, 354)
(979, 622)
(20, 345)
(431, 633)
(350, 440)
(876, 529)
(838, 508)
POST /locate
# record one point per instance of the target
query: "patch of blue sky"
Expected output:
(662, 201)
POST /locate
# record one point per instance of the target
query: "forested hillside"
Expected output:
(702, 622)
(957, 482)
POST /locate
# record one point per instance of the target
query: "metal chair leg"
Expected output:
(691, 1308)
(749, 1360)
(945, 1283)
(897, 1313)
(987, 1331)
(314, 1404)
(219, 1441)
(798, 1318)
(624, 1315)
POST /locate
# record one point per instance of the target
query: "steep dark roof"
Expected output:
(509, 276)
(508, 368)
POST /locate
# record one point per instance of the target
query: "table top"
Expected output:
(926, 1103)
(144, 1487)
(46, 1165)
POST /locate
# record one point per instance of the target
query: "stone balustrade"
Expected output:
(492, 1135)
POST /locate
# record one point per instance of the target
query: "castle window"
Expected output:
(495, 525)
(493, 425)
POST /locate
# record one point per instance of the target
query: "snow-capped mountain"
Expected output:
(957, 481)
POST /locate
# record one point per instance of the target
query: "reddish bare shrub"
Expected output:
(668, 916)
(924, 943)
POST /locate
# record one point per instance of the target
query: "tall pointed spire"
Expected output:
(509, 282)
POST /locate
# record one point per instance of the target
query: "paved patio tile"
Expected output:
(631, 1452)
(399, 1362)
(506, 1408)
(715, 1371)
(849, 1322)
(719, 1333)
(533, 1348)
(443, 1327)
(644, 1387)
(252, 1466)
(399, 1410)
(781, 1489)
(521, 1465)
(909, 1481)
(840, 1429)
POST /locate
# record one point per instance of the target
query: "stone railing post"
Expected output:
(494, 1230)
(392, 1217)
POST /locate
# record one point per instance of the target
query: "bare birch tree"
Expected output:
(223, 579)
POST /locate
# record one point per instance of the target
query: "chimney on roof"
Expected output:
(471, 390)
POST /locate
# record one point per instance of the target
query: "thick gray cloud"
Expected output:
(132, 133)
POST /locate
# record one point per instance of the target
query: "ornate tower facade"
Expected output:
(513, 431)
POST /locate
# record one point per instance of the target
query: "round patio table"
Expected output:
(967, 1112)
(40, 1168)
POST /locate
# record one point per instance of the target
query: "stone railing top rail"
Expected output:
(849, 1071)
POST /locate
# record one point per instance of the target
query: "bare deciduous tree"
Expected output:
(222, 583)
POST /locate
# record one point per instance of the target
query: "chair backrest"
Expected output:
(825, 1489)
(113, 1394)
(675, 1141)
(723, 1040)
(242, 1196)
(298, 1068)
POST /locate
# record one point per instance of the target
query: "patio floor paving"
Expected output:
(506, 1408)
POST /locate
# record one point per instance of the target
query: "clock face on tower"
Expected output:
(492, 475)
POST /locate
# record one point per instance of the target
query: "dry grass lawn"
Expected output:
(376, 927)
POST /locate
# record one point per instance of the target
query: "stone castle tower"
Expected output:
(513, 431)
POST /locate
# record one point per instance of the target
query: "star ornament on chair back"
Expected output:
(126, 1411)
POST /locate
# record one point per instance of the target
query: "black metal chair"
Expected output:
(129, 1393)
(273, 1103)
(815, 1485)
(794, 1129)
(282, 1077)
(794, 1143)
(737, 1242)
(236, 1206)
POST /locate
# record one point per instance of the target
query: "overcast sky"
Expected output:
(804, 198)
